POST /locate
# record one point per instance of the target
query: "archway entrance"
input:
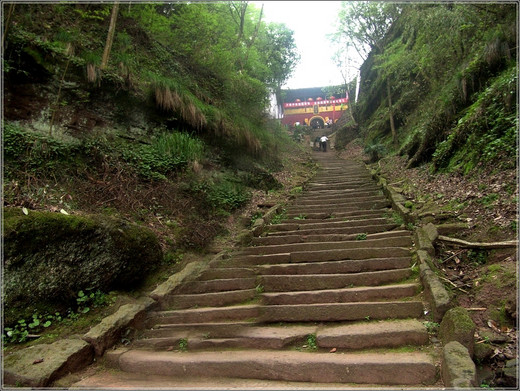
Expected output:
(317, 122)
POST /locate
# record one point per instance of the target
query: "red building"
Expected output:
(310, 106)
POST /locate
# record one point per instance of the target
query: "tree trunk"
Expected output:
(390, 112)
(8, 20)
(110, 36)
(255, 34)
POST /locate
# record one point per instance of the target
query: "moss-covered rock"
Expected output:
(458, 326)
(49, 257)
(457, 368)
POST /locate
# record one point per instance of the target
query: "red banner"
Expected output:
(317, 102)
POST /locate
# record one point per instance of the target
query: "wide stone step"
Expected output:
(221, 285)
(227, 273)
(368, 229)
(368, 335)
(334, 195)
(351, 336)
(339, 198)
(204, 315)
(351, 206)
(346, 223)
(265, 337)
(217, 299)
(334, 312)
(337, 186)
(337, 204)
(342, 254)
(224, 329)
(345, 295)
(353, 215)
(335, 267)
(330, 214)
(332, 178)
(307, 282)
(295, 238)
(367, 368)
(399, 241)
(326, 190)
(314, 256)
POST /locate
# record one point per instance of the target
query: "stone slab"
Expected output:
(457, 368)
(380, 368)
(108, 331)
(39, 365)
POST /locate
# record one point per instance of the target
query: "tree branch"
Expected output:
(460, 242)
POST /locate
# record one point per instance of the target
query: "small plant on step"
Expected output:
(431, 327)
(301, 216)
(259, 289)
(183, 344)
(311, 342)
(362, 236)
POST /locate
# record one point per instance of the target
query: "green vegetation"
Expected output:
(362, 236)
(432, 327)
(183, 344)
(277, 218)
(437, 84)
(23, 330)
(145, 147)
(311, 342)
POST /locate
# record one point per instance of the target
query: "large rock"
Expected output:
(457, 368)
(50, 257)
(458, 326)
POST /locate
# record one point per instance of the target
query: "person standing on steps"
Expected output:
(323, 143)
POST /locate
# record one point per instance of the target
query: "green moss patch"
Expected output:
(50, 257)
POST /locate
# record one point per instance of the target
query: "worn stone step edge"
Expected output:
(335, 267)
(288, 239)
(211, 299)
(399, 241)
(336, 204)
(220, 285)
(367, 229)
(350, 223)
(308, 282)
(294, 239)
(370, 368)
(292, 313)
(354, 215)
(356, 336)
(314, 256)
(333, 312)
(381, 202)
(216, 329)
(343, 295)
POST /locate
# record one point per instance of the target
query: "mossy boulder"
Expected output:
(49, 257)
(458, 326)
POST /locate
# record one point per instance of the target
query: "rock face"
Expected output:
(50, 257)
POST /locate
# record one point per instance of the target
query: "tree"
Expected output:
(365, 24)
(110, 35)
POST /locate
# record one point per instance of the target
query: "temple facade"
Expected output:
(312, 107)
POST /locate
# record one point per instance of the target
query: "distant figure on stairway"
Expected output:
(323, 143)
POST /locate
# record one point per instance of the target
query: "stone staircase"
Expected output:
(328, 295)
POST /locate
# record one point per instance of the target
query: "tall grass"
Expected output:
(179, 145)
(170, 95)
